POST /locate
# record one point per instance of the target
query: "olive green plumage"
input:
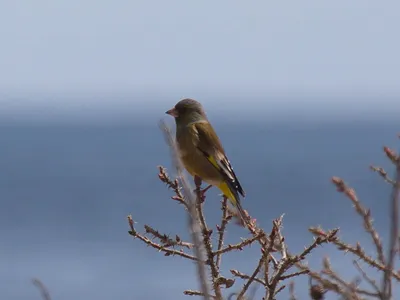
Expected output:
(202, 152)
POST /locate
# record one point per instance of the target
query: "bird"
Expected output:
(202, 153)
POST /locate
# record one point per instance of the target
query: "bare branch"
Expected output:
(367, 278)
(195, 293)
(159, 247)
(221, 232)
(303, 272)
(394, 227)
(356, 250)
(391, 154)
(383, 174)
(252, 278)
(174, 185)
(240, 245)
(241, 275)
(207, 243)
(166, 240)
(364, 213)
(350, 288)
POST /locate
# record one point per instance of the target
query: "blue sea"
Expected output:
(65, 192)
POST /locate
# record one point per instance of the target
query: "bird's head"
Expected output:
(187, 110)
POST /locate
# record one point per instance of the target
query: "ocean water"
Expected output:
(65, 192)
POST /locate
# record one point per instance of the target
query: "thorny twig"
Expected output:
(159, 247)
(383, 174)
(221, 231)
(166, 240)
(251, 278)
(364, 213)
(303, 272)
(238, 246)
(241, 275)
(356, 250)
(394, 226)
(368, 278)
(207, 242)
(350, 287)
(340, 288)
(291, 260)
(195, 293)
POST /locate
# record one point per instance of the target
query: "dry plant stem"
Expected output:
(266, 276)
(191, 205)
(251, 278)
(221, 232)
(329, 237)
(288, 260)
(165, 240)
(195, 293)
(260, 235)
(263, 240)
(236, 273)
(326, 284)
(267, 253)
(394, 234)
(350, 288)
(239, 246)
(357, 251)
(281, 288)
(367, 278)
(43, 290)
(303, 272)
(277, 224)
(207, 243)
(383, 174)
(273, 282)
(364, 213)
(347, 290)
(174, 185)
(159, 247)
(329, 285)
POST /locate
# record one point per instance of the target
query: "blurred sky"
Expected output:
(76, 55)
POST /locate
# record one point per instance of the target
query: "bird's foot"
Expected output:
(202, 193)
(197, 181)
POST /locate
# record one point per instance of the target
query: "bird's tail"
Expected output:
(233, 197)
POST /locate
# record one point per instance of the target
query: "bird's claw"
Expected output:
(202, 193)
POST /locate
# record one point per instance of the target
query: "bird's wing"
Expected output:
(210, 145)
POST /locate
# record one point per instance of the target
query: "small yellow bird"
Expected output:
(202, 153)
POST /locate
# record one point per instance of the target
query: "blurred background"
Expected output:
(298, 92)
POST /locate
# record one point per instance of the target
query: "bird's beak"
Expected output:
(173, 112)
